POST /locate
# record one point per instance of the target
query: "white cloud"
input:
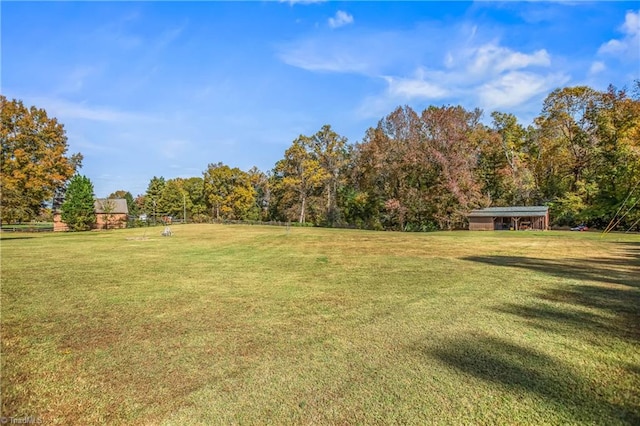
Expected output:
(401, 90)
(493, 58)
(410, 88)
(613, 47)
(631, 23)
(597, 67)
(448, 60)
(629, 45)
(517, 87)
(469, 66)
(341, 19)
(489, 75)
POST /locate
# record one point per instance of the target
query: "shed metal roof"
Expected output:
(116, 205)
(518, 211)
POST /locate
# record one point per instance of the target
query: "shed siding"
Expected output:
(481, 224)
(515, 217)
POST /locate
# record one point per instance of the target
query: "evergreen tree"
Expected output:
(152, 199)
(78, 207)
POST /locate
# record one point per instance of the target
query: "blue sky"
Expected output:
(165, 88)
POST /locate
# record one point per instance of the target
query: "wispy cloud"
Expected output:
(627, 47)
(419, 86)
(318, 55)
(118, 32)
(68, 110)
(75, 80)
(173, 148)
(341, 19)
(366, 52)
(401, 90)
(597, 67)
(168, 36)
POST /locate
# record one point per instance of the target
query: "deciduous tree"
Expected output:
(173, 199)
(196, 204)
(298, 177)
(228, 192)
(331, 151)
(261, 184)
(34, 163)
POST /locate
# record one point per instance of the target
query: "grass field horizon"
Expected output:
(234, 324)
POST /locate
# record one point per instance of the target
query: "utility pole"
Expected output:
(184, 208)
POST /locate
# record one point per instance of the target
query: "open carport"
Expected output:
(505, 218)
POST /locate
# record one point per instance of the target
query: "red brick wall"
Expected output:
(116, 221)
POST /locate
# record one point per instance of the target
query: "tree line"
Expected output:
(425, 170)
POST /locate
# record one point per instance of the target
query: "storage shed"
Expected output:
(505, 218)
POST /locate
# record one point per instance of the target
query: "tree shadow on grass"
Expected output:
(604, 304)
(500, 361)
(14, 237)
(607, 302)
(622, 271)
(594, 309)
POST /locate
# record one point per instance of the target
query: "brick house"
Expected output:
(111, 213)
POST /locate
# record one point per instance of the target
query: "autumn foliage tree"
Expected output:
(34, 160)
(298, 179)
(417, 171)
(229, 193)
(589, 152)
(505, 164)
(308, 180)
(617, 168)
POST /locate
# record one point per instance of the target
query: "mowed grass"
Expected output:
(263, 325)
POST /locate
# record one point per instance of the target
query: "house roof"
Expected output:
(530, 211)
(111, 206)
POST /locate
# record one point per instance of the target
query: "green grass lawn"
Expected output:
(260, 325)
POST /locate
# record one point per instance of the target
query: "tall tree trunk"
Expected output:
(304, 200)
